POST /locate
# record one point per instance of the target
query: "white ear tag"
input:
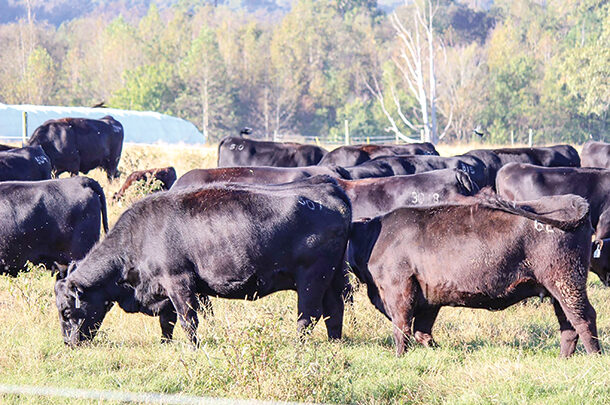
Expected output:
(598, 250)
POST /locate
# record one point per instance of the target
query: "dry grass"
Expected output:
(251, 350)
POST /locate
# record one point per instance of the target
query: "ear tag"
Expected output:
(598, 250)
(76, 300)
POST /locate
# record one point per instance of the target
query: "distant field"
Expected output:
(251, 350)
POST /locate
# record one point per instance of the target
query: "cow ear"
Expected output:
(62, 270)
(465, 182)
(71, 267)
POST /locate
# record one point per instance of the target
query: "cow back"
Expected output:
(239, 151)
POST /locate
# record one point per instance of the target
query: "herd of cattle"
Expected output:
(421, 231)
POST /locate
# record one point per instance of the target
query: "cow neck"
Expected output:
(100, 268)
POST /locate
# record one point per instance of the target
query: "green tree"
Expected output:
(146, 88)
(207, 97)
(40, 76)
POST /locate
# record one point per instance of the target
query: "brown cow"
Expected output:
(167, 176)
(487, 254)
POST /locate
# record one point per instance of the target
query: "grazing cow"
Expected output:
(166, 175)
(49, 221)
(353, 155)
(255, 175)
(79, 144)
(229, 240)
(520, 182)
(596, 154)
(376, 196)
(28, 163)
(238, 151)
(487, 254)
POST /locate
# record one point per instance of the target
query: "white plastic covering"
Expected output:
(138, 126)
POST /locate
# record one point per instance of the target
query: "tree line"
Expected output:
(432, 69)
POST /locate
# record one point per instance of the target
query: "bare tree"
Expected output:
(415, 61)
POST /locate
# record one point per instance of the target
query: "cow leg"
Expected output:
(578, 310)
(399, 302)
(186, 305)
(422, 326)
(167, 319)
(333, 305)
(310, 311)
(310, 295)
(569, 337)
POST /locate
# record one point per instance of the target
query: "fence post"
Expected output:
(530, 137)
(24, 126)
(512, 137)
(346, 133)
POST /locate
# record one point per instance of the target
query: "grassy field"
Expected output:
(251, 350)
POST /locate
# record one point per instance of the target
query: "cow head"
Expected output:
(81, 310)
(600, 261)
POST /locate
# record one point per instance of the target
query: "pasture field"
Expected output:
(251, 349)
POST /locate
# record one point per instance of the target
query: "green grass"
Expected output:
(251, 349)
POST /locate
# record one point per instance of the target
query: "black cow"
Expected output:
(551, 156)
(520, 182)
(255, 175)
(229, 240)
(28, 163)
(239, 151)
(353, 155)
(492, 163)
(166, 175)
(595, 154)
(79, 144)
(487, 254)
(49, 221)
(376, 196)
(401, 165)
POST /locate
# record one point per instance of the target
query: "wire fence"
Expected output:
(312, 139)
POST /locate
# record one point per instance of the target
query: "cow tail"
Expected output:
(577, 207)
(95, 186)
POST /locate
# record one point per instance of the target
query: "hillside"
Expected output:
(57, 12)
